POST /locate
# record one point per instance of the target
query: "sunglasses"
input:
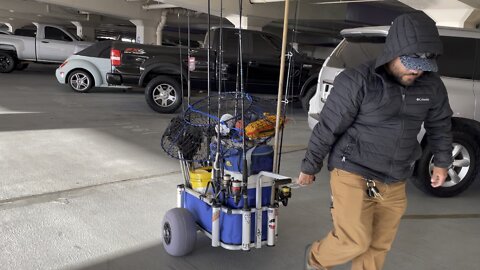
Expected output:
(422, 55)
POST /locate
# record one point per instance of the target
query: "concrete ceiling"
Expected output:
(316, 23)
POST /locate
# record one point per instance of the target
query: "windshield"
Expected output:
(353, 51)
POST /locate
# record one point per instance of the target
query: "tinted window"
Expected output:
(354, 51)
(56, 34)
(262, 45)
(26, 32)
(230, 43)
(476, 75)
(458, 59)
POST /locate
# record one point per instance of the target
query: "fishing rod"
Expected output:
(217, 167)
(184, 165)
(280, 87)
(208, 76)
(291, 63)
(246, 215)
(181, 56)
(188, 59)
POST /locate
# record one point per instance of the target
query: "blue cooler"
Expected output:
(259, 158)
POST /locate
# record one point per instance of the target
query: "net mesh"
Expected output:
(193, 135)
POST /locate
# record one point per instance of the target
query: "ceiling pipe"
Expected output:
(264, 1)
(318, 3)
(157, 6)
(346, 2)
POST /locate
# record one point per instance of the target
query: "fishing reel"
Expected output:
(232, 187)
(283, 194)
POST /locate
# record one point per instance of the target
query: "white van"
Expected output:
(459, 67)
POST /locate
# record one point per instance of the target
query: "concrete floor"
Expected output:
(84, 184)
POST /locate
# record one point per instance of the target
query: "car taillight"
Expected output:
(63, 64)
(115, 57)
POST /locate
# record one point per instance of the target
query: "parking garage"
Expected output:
(85, 182)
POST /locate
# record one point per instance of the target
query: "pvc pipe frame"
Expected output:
(272, 214)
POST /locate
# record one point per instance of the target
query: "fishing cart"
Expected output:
(233, 202)
(229, 190)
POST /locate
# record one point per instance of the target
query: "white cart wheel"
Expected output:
(179, 232)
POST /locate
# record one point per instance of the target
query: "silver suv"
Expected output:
(459, 68)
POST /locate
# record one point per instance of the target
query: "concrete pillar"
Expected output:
(452, 18)
(452, 13)
(146, 31)
(8, 25)
(87, 33)
(248, 22)
(161, 24)
(15, 24)
(473, 20)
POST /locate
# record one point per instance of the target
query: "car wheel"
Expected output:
(7, 62)
(179, 232)
(460, 176)
(163, 94)
(21, 66)
(80, 81)
(306, 98)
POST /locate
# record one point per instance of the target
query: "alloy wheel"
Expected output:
(164, 95)
(459, 168)
(80, 82)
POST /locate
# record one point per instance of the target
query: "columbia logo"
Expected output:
(423, 99)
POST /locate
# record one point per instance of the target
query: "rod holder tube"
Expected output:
(180, 193)
(246, 225)
(272, 226)
(259, 212)
(276, 221)
(216, 225)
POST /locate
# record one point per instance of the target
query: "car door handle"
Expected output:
(253, 63)
(43, 41)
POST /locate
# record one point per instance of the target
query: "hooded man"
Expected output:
(369, 128)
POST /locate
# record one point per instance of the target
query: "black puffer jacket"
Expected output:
(369, 124)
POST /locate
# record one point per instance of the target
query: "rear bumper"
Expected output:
(122, 79)
(115, 79)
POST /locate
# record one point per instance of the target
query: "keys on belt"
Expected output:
(372, 190)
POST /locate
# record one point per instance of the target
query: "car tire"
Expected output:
(179, 232)
(163, 94)
(21, 66)
(305, 100)
(80, 81)
(7, 62)
(460, 176)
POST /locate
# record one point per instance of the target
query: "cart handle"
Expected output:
(278, 179)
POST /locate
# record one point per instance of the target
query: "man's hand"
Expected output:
(305, 179)
(438, 176)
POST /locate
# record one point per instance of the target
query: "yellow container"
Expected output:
(199, 178)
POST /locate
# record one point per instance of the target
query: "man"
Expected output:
(369, 128)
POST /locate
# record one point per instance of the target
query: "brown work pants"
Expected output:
(363, 228)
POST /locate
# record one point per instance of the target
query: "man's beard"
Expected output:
(403, 82)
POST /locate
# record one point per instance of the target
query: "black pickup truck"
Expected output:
(161, 69)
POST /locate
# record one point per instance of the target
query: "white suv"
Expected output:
(459, 67)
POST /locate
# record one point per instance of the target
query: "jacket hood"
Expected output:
(411, 33)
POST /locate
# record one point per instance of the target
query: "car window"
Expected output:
(263, 46)
(105, 53)
(458, 59)
(353, 51)
(26, 32)
(56, 34)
